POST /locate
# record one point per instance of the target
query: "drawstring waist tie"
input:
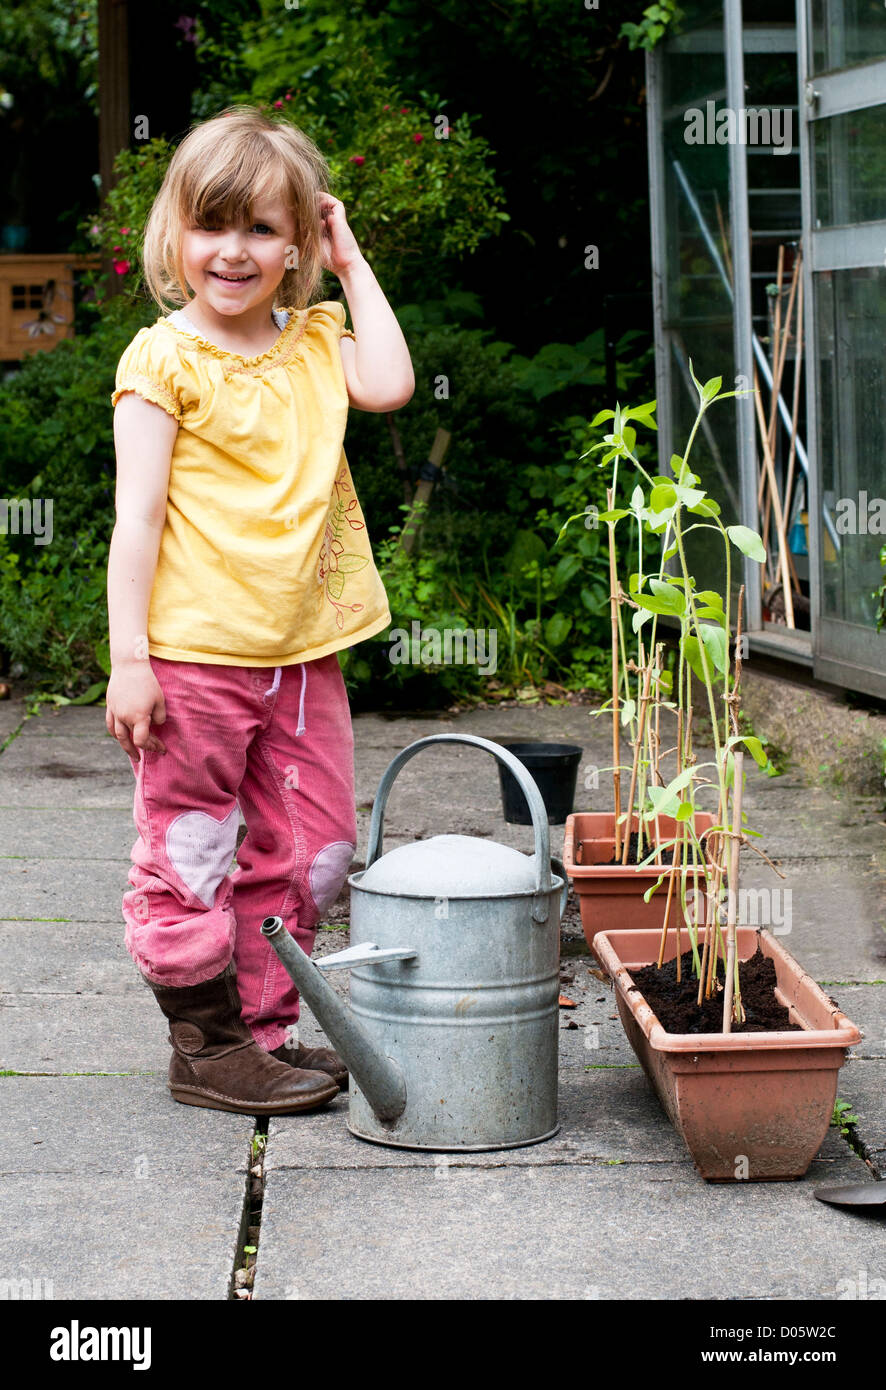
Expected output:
(272, 690)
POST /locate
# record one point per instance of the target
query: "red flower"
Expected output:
(118, 248)
(386, 108)
(278, 104)
(124, 231)
(404, 110)
(418, 137)
(358, 159)
(121, 267)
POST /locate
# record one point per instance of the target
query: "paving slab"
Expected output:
(112, 1200)
(73, 1033)
(863, 1084)
(78, 958)
(58, 833)
(119, 1193)
(529, 1231)
(63, 889)
(68, 721)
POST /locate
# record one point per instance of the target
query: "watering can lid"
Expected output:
(455, 866)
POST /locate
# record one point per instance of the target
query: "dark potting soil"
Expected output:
(632, 851)
(674, 1002)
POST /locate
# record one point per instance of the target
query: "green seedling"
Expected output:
(843, 1117)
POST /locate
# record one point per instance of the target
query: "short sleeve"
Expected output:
(332, 313)
(152, 368)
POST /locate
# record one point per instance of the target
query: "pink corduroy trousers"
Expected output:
(275, 743)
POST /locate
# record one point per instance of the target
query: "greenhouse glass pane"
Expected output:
(851, 313)
(850, 167)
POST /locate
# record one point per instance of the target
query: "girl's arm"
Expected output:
(144, 435)
(377, 367)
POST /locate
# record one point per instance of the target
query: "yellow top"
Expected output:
(264, 558)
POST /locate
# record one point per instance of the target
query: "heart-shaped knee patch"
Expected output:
(201, 848)
(328, 869)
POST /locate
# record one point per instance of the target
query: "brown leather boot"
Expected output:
(313, 1059)
(217, 1064)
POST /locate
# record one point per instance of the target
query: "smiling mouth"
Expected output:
(230, 279)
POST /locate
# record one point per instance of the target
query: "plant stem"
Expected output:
(613, 618)
(644, 701)
(733, 896)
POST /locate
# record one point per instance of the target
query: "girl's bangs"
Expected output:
(220, 198)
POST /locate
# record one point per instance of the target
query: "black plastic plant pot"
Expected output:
(554, 768)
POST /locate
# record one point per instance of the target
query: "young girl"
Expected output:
(239, 566)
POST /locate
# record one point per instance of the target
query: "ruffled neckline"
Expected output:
(297, 318)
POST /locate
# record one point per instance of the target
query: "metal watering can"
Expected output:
(451, 1036)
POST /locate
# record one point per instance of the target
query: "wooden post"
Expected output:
(113, 90)
(425, 486)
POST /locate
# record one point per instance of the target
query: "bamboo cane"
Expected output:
(671, 879)
(782, 338)
(655, 741)
(776, 503)
(613, 618)
(795, 405)
(778, 373)
(776, 336)
(710, 901)
(733, 894)
(638, 743)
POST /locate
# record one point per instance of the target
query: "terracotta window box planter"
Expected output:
(749, 1106)
(611, 896)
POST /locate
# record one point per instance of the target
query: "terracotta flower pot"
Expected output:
(750, 1106)
(610, 896)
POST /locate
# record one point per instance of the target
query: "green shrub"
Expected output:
(53, 612)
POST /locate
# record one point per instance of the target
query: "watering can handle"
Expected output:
(540, 827)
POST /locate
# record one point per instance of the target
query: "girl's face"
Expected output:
(238, 268)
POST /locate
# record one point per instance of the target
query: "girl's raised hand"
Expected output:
(338, 245)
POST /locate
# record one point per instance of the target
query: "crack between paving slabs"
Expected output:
(249, 1235)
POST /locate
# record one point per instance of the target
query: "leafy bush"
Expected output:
(57, 442)
(53, 614)
(56, 427)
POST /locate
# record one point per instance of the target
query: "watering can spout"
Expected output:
(378, 1076)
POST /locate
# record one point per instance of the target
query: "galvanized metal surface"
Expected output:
(379, 1075)
(473, 1019)
(471, 1016)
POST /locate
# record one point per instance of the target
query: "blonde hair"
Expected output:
(218, 171)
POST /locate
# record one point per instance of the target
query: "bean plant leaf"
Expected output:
(752, 744)
(748, 542)
(710, 388)
(653, 888)
(665, 800)
(689, 496)
(717, 646)
(690, 648)
(662, 496)
(664, 598)
(639, 617)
